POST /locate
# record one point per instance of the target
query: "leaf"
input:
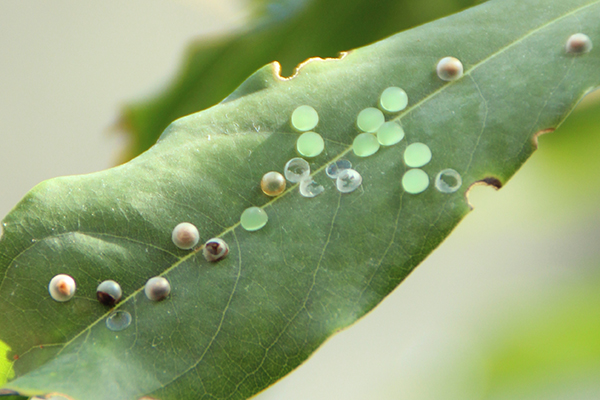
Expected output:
(289, 31)
(5, 365)
(231, 328)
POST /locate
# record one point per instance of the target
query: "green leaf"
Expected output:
(231, 328)
(6, 372)
(289, 31)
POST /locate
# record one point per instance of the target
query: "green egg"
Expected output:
(393, 99)
(370, 119)
(417, 154)
(305, 118)
(365, 144)
(253, 218)
(415, 181)
(390, 133)
(310, 144)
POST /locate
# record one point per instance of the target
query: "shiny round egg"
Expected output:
(215, 249)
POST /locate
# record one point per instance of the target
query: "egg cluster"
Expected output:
(377, 125)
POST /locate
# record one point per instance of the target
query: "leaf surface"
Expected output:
(231, 328)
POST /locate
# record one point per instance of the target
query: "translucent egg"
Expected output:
(390, 133)
(370, 119)
(449, 69)
(305, 118)
(310, 188)
(109, 293)
(157, 288)
(185, 236)
(272, 183)
(215, 249)
(310, 144)
(417, 154)
(253, 219)
(448, 181)
(334, 169)
(62, 288)
(365, 145)
(118, 320)
(579, 43)
(296, 170)
(415, 181)
(348, 181)
(393, 99)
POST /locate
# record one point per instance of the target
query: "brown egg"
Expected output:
(272, 184)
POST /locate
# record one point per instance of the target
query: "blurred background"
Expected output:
(507, 308)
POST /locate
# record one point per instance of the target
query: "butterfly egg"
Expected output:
(118, 320)
(365, 144)
(348, 181)
(185, 236)
(305, 118)
(157, 288)
(310, 144)
(370, 119)
(310, 188)
(296, 170)
(448, 181)
(215, 249)
(253, 219)
(390, 133)
(334, 169)
(449, 69)
(415, 181)
(109, 293)
(272, 183)
(579, 43)
(393, 99)
(417, 154)
(62, 288)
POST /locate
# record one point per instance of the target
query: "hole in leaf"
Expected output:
(489, 181)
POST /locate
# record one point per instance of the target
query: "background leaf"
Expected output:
(265, 310)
